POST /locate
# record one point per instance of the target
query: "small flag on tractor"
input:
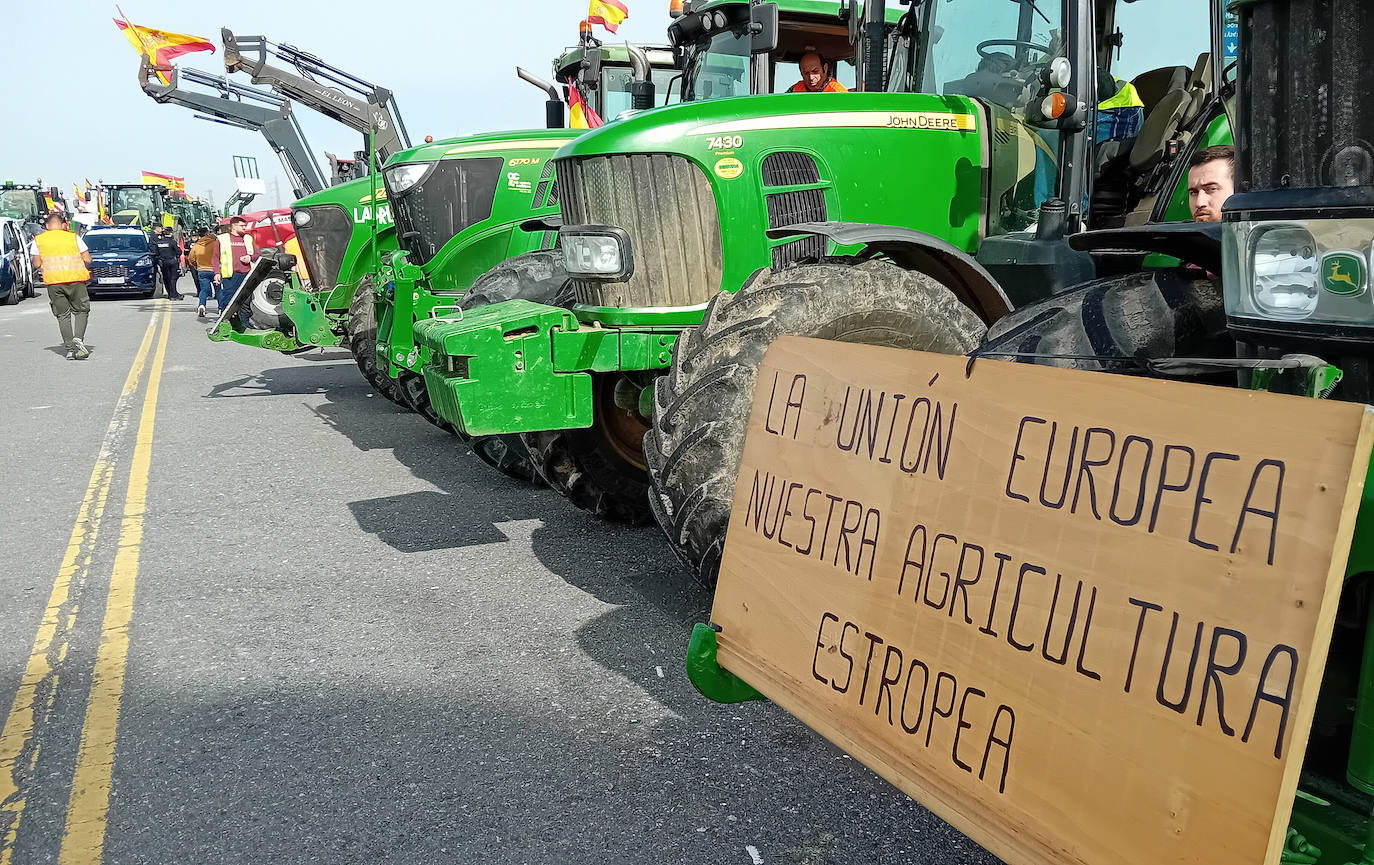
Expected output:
(580, 114)
(161, 47)
(173, 184)
(80, 199)
(607, 13)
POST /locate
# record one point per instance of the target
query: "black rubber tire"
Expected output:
(362, 339)
(14, 295)
(1156, 313)
(584, 466)
(416, 397)
(537, 276)
(701, 408)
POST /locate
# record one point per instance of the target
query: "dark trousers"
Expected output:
(171, 272)
(228, 287)
(206, 280)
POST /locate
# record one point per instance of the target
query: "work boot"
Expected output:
(79, 350)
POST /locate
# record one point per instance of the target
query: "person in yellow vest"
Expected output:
(235, 255)
(65, 261)
(293, 247)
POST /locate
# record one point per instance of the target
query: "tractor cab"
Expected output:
(28, 203)
(141, 205)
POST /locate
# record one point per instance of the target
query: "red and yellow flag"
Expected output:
(161, 47)
(80, 199)
(607, 13)
(580, 114)
(174, 184)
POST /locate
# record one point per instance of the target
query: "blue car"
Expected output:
(16, 268)
(121, 262)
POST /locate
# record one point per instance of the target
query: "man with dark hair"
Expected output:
(816, 77)
(1211, 180)
(168, 253)
(233, 252)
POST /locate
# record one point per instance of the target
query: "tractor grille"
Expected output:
(324, 241)
(789, 208)
(109, 271)
(665, 204)
(789, 169)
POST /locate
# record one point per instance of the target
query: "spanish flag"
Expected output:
(580, 114)
(607, 13)
(161, 47)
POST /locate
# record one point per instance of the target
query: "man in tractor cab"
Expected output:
(1211, 181)
(816, 77)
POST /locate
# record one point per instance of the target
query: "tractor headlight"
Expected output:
(300, 217)
(403, 177)
(1312, 272)
(597, 252)
(1284, 267)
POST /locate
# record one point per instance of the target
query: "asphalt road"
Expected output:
(253, 612)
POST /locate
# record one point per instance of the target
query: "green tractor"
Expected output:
(958, 173)
(139, 204)
(459, 205)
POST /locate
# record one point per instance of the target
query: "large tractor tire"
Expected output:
(1098, 325)
(701, 408)
(536, 276)
(600, 469)
(362, 339)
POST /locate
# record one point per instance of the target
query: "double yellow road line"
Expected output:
(21, 739)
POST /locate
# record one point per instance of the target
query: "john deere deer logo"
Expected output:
(1343, 273)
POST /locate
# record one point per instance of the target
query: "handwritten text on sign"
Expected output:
(1082, 617)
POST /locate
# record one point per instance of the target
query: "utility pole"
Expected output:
(276, 192)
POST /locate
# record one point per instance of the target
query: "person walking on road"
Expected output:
(66, 270)
(202, 259)
(168, 253)
(234, 253)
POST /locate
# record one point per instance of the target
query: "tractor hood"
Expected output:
(489, 141)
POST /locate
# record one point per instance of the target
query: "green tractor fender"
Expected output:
(918, 251)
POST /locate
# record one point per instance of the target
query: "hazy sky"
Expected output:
(451, 65)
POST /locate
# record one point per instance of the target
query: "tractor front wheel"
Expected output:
(362, 339)
(600, 469)
(701, 408)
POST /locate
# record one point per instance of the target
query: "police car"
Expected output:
(121, 261)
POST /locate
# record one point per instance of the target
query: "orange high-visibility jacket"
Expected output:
(61, 258)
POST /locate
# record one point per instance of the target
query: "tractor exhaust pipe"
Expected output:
(642, 85)
(875, 26)
(553, 107)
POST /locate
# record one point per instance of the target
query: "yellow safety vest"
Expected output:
(61, 258)
(226, 253)
(293, 247)
(1126, 97)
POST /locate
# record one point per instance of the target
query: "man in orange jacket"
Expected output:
(816, 77)
(65, 261)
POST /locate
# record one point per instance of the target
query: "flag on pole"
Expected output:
(607, 13)
(161, 47)
(80, 199)
(173, 184)
(580, 114)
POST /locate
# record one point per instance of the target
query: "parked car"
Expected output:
(17, 279)
(121, 261)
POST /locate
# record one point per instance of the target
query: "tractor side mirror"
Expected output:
(589, 75)
(763, 26)
(54, 193)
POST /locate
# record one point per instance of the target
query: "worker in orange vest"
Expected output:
(65, 261)
(816, 77)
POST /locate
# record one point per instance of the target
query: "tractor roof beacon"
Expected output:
(965, 165)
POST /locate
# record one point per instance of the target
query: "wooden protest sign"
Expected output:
(1081, 617)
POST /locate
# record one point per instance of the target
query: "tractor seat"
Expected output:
(1167, 101)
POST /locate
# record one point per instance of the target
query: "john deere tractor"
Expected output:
(459, 206)
(955, 176)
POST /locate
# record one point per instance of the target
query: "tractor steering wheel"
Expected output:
(1003, 43)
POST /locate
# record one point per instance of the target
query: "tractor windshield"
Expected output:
(19, 203)
(615, 87)
(127, 203)
(719, 66)
(992, 51)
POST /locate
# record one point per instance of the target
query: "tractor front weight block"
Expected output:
(521, 366)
